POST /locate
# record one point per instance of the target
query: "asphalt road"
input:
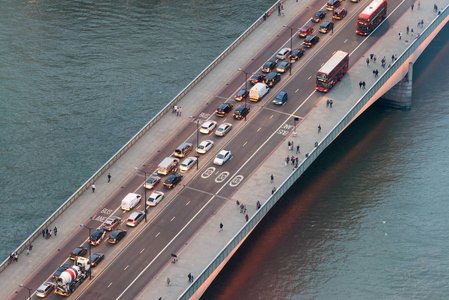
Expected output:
(146, 249)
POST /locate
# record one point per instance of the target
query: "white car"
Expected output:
(283, 53)
(205, 146)
(155, 198)
(222, 157)
(188, 163)
(208, 126)
(223, 129)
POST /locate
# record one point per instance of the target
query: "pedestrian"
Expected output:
(286, 162)
(383, 64)
(11, 257)
(316, 144)
(367, 61)
(360, 84)
(292, 146)
(422, 23)
(377, 73)
(109, 177)
(258, 205)
(50, 233)
(363, 84)
(371, 56)
(273, 190)
(327, 103)
(411, 30)
(221, 227)
(238, 203)
(296, 162)
(31, 247)
(374, 73)
(293, 160)
(395, 57)
(392, 57)
(168, 281)
(28, 251)
(287, 159)
(400, 35)
(93, 188)
(246, 218)
(279, 9)
(244, 209)
(289, 144)
(190, 277)
(331, 102)
(412, 6)
(241, 208)
(55, 230)
(375, 58)
(176, 109)
(408, 29)
(297, 148)
(272, 177)
(43, 233)
(419, 5)
(46, 232)
(282, 12)
(180, 110)
(319, 128)
(16, 257)
(435, 7)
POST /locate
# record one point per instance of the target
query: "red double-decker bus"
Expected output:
(371, 16)
(332, 71)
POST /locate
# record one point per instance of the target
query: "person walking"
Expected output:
(273, 190)
(331, 102)
(297, 149)
(180, 110)
(244, 209)
(287, 159)
(241, 208)
(408, 29)
(327, 103)
(238, 203)
(363, 84)
(221, 227)
(43, 233)
(279, 9)
(109, 177)
(258, 205)
(55, 230)
(93, 187)
(412, 6)
(46, 232)
(285, 162)
(168, 281)
(319, 128)
(374, 58)
(31, 247)
(360, 84)
(400, 35)
(246, 218)
(272, 178)
(190, 277)
(371, 56)
(367, 61)
(28, 251)
(16, 257)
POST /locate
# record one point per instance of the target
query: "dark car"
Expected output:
(284, 67)
(224, 109)
(318, 16)
(77, 252)
(96, 236)
(96, 258)
(256, 78)
(281, 98)
(241, 112)
(326, 27)
(333, 4)
(310, 41)
(272, 78)
(340, 13)
(172, 181)
(60, 270)
(152, 182)
(111, 223)
(297, 54)
(305, 31)
(241, 95)
(116, 236)
(269, 66)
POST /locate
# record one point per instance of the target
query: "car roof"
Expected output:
(282, 93)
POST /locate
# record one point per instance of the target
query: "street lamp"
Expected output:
(197, 141)
(82, 225)
(291, 42)
(145, 202)
(29, 290)
(246, 84)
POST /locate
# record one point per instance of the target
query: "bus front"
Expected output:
(322, 82)
(363, 26)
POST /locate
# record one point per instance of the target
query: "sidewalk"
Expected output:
(208, 242)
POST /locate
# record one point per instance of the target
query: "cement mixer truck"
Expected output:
(71, 279)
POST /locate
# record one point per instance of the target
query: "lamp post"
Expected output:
(197, 141)
(291, 43)
(29, 290)
(246, 84)
(82, 225)
(145, 202)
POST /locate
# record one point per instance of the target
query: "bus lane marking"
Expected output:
(220, 178)
(208, 172)
(236, 180)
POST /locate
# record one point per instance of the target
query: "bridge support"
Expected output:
(400, 95)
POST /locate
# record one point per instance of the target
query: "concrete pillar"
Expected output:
(400, 96)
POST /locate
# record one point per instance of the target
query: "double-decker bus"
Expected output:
(332, 71)
(371, 16)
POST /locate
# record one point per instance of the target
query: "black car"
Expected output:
(271, 79)
(333, 4)
(224, 109)
(318, 16)
(77, 252)
(96, 258)
(256, 78)
(241, 95)
(241, 112)
(326, 27)
(172, 181)
(297, 54)
(310, 41)
(96, 236)
(269, 66)
(60, 270)
(116, 236)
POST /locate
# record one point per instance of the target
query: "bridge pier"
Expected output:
(400, 95)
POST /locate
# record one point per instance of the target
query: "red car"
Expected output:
(305, 31)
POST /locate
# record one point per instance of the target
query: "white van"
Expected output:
(168, 165)
(130, 201)
(258, 91)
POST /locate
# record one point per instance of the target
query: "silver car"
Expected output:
(208, 126)
(45, 289)
(223, 129)
(135, 218)
(188, 163)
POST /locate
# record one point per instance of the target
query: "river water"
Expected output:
(80, 78)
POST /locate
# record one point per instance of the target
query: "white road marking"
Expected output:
(296, 91)
(271, 116)
(188, 203)
(345, 41)
(110, 284)
(142, 250)
(245, 144)
(172, 219)
(259, 129)
(157, 234)
(126, 268)
(307, 79)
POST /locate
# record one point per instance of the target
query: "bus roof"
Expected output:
(371, 8)
(333, 62)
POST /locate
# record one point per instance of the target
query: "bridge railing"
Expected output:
(254, 220)
(134, 139)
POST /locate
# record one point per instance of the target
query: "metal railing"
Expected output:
(134, 139)
(291, 179)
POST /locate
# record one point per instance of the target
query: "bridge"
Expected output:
(186, 223)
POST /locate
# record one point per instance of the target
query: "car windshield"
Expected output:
(201, 146)
(220, 156)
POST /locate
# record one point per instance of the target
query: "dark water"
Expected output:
(79, 78)
(369, 218)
